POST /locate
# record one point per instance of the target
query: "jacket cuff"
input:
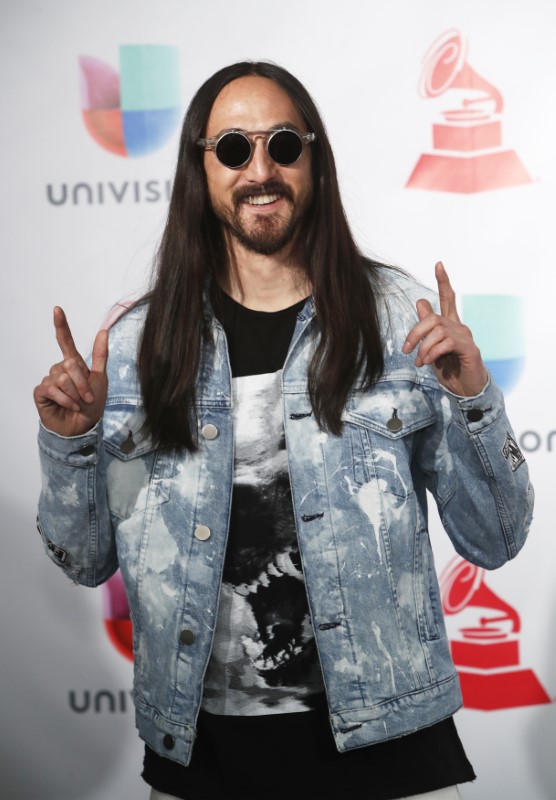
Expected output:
(77, 451)
(478, 412)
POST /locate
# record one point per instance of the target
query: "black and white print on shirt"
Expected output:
(264, 657)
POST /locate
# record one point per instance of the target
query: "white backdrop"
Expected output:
(66, 715)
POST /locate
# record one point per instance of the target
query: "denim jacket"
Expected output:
(111, 499)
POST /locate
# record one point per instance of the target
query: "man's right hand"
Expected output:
(71, 398)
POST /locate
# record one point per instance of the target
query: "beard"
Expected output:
(267, 234)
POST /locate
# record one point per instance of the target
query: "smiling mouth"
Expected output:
(261, 199)
(263, 194)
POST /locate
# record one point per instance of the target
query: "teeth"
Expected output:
(285, 565)
(282, 566)
(262, 199)
(252, 648)
(247, 588)
(267, 663)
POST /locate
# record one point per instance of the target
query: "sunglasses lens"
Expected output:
(285, 147)
(233, 150)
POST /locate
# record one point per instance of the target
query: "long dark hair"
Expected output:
(192, 256)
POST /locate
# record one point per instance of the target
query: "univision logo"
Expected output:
(497, 322)
(134, 112)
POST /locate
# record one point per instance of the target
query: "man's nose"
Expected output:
(261, 167)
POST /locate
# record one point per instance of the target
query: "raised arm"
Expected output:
(74, 519)
(469, 459)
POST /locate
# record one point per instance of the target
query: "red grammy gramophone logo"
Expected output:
(467, 154)
(484, 642)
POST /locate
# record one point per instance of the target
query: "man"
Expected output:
(254, 456)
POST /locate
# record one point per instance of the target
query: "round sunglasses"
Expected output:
(234, 149)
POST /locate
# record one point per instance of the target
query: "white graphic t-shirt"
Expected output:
(264, 658)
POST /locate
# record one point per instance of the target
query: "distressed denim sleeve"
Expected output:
(478, 476)
(74, 519)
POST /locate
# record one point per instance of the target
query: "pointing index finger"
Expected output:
(100, 352)
(446, 294)
(63, 334)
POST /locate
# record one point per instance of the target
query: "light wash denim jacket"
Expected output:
(110, 500)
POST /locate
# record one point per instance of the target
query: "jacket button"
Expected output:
(202, 533)
(87, 450)
(209, 431)
(474, 414)
(187, 637)
(394, 424)
(169, 742)
(129, 445)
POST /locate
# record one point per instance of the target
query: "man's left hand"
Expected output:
(446, 343)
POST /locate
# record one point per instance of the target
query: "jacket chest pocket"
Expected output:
(381, 426)
(139, 476)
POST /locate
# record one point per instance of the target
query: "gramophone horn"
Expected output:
(462, 585)
(445, 67)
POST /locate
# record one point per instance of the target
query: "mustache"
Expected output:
(271, 187)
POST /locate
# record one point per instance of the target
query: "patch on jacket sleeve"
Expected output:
(59, 553)
(512, 453)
